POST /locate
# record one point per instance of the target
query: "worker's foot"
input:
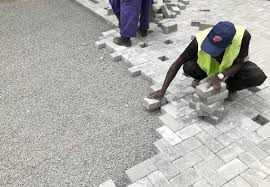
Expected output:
(232, 96)
(195, 83)
(143, 32)
(123, 41)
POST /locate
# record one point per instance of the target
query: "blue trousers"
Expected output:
(131, 12)
(115, 6)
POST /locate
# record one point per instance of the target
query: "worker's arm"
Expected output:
(189, 54)
(231, 71)
(169, 77)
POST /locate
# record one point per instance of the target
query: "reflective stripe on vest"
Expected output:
(210, 65)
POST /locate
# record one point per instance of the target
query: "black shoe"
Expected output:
(123, 41)
(232, 96)
(143, 32)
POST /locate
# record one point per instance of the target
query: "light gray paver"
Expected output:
(252, 177)
(209, 142)
(152, 104)
(264, 131)
(165, 147)
(230, 152)
(169, 135)
(187, 161)
(210, 174)
(186, 179)
(189, 131)
(141, 170)
(159, 180)
(202, 183)
(165, 166)
(265, 145)
(232, 169)
(251, 148)
(237, 182)
(202, 91)
(187, 146)
(204, 152)
(170, 122)
(108, 183)
(144, 182)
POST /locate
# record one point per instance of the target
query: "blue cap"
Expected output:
(219, 38)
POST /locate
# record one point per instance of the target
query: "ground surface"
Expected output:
(68, 117)
(192, 152)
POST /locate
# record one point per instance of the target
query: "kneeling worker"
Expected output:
(217, 53)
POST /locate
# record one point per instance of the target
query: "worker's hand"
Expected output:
(156, 95)
(215, 82)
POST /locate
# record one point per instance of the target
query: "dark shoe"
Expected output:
(123, 41)
(195, 83)
(232, 96)
(143, 32)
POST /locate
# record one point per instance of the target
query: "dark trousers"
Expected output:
(250, 75)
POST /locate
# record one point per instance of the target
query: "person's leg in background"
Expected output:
(250, 75)
(129, 14)
(146, 10)
(115, 4)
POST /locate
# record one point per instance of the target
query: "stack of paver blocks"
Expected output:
(165, 10)
(208, 105)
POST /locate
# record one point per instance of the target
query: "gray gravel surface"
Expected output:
(67, 116)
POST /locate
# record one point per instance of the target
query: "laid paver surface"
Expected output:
(192, 152)
(67, 116)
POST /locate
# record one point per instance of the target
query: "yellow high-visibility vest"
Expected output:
(209, 64)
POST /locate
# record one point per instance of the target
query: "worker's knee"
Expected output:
(261, 77)
(188, 68)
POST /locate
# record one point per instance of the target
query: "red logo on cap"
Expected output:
(217, 39)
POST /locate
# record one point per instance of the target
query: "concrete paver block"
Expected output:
(237, 182)
(100, 44)
(215, 98)
(264, 131)
(169, 135)
(186, 178)
(230, 152)
(141, 170)
(232, 169)
(166, 11)
(187, 146)
(165, 166)
(187, 161)
(153, 104)
(204, 92)
(189, 131)
(158, 179)
(209, 142)
(210, 174)
(144, 182)
(202, 183)
(252, 177)
(169, 27)
(108, 183)
(170, 122)
(165, 147)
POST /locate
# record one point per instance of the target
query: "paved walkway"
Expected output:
(69, 116)
(191, 152)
